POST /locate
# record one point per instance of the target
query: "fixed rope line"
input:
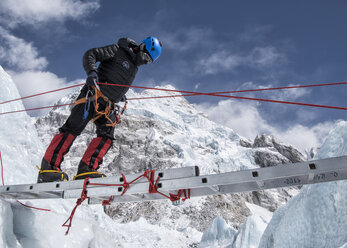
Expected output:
(192, 93)
(235, 97)
(179, 91)
(43, 93)
(248, 98)
(2, 171)
(227, 92)
(24, 110)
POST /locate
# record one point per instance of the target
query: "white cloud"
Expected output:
(33, 12)
(18, 53)
(255, 33)
(245, 119)
(242, 117)
(196, 86)
(227, 60)
(219, 61)
(186, 38)
(304, 137)
(23, 58)
(263, 56)
(33, 82)
(282, 95)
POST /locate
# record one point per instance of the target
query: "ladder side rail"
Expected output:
(285, 174)
(315, 171)
(223, 189)
(33, 191)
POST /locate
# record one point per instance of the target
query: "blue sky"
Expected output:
(207, 46)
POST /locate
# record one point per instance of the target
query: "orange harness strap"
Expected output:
(108, 110)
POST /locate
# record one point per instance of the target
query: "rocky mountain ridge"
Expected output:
(171, 133)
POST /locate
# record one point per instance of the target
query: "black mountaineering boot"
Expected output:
(52, 175)
(84, 172)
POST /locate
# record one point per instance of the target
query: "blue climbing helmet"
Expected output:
(153, 47)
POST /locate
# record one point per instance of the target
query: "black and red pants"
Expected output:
(73, 127)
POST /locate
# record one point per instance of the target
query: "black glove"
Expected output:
(123, 99)
(92, 76)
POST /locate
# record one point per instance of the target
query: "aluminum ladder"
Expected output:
(187, 178)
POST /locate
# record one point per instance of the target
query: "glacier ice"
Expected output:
(219, 234)
(250, 233)
(20, 145)
(317, 216)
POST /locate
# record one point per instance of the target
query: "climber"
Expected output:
(118, 65)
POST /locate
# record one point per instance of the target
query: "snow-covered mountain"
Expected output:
(171, 133)
(154, 134)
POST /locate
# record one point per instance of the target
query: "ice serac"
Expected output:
(250, 233)
(20, 145)
(7, 237)
(219, 234)
(317, 216)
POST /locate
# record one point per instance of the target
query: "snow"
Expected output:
(204, 136)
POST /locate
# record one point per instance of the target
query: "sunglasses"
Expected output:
(147, 58)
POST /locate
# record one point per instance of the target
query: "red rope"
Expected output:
(195, 94)
(107, 202)
(177, 197)
(192, 93)
(153, 188)
(2, 170)
(226, 92)
(27, 206)
(79, 201)
(247, 98)
(24, 110)
(43, 93)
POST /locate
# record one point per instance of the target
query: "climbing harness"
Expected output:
(96, 96)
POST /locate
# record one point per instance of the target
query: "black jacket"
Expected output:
(117, 65)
